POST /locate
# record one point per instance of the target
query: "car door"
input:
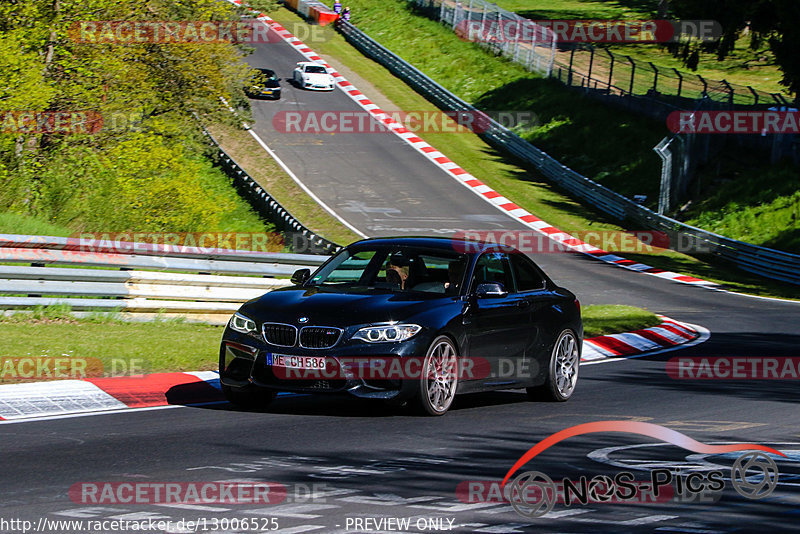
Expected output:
(534, 300)
(497, 326)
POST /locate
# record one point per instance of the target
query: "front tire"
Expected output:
(249, 398)
(562, 370)
(439, 377)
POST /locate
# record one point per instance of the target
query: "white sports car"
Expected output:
(310, 75)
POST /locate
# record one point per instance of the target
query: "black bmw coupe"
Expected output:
(411, 319)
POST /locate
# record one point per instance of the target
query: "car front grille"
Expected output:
(319, 337)
(279, 334)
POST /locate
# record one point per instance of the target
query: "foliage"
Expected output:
(141, 170)
(773, 21)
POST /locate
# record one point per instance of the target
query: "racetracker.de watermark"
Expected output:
(762, 122)
(354, 122)
(733, 368)
(543, 242)
(198, 493)
(68, 367)
(129, 32)
(588, 31)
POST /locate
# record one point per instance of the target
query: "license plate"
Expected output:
(296, 362)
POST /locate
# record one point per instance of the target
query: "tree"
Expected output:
(773, 21)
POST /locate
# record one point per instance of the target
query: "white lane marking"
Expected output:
(300, 528)
(90, 414)
(94, 511)
(308, 191)
(198, 507)
(298, 511)
(703, 337)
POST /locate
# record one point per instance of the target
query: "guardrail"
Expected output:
(758, 260)
(178, 282)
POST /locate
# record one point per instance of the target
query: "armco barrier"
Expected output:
(758, 260)
(137, 277)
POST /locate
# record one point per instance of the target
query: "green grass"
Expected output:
(578, 139)
(602, 319)
(15, 223)
(752, 210)
(742, 66)
(104, 345)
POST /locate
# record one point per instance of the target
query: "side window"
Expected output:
(493, 267)
(526, 275)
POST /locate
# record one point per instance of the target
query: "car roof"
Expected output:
(440, 243)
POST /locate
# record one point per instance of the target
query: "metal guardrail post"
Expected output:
(665, 191)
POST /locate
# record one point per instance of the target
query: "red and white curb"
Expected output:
(63, 398)
(668, 335)
(467, 180)
(60, 397)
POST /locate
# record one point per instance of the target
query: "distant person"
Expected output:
(337, 7)
(346, 14)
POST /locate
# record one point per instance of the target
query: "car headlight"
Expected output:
(387, 333)
(240, 323)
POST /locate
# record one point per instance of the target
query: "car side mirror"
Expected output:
(300, 276)
(490, 290)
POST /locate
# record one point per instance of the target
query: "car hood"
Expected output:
(330, 308)
(317, 77)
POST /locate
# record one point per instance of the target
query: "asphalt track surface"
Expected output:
(368, 461)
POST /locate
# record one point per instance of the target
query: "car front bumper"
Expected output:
(243, 363)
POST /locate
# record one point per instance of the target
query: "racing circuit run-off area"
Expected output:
(438, 266)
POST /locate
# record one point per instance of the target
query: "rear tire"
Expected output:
(439, 378)
(562, 370)
(249, 398)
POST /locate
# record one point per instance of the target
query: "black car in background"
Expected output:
(265, 84)
(407, 319)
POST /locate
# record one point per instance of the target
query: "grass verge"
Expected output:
(524, 186)
(102, 345)
(605, 319)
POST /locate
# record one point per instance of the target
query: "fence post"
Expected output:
(533, 49)
(519, 25)
(655, 77)
(755, 95)
(483, 23)
(705, 85)
(610, 71)
(730, 93)
(680, 81)
(633, 74)
(571, 57)
(591, 62)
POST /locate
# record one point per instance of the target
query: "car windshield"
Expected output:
(265, 74)
(315, 68)
(395, 269)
